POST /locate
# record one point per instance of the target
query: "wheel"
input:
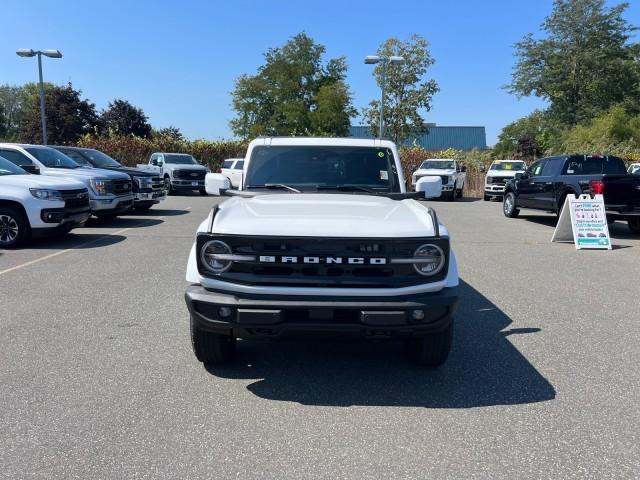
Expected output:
(560, 206)
(431, 350)
(167, 185)
(509, 205)
(487, 198)
(203, 192)
(211, 348)
(14, 227)
(634, 225)
(459, 192)
(451, 197)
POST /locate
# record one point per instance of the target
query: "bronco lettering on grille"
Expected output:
(324, 260)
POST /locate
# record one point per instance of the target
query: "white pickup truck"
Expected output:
(453, 176)
(500, 171)
(180, 171)
(322, 239)
(35, 205)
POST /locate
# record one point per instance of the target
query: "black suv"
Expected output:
(547, 182)
(148, 188)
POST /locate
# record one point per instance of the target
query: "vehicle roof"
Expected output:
(439, 160)
(24, 145)
(69, 147)
(508, 160)
(322, 141)
(171, 153)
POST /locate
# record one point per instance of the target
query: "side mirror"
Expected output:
(431, 186)
(32, 169)
(216, 183)
(482, 169)
(519, 176)
(463, 168)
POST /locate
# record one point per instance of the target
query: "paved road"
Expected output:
(98, 379)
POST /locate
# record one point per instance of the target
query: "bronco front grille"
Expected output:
(324, 274)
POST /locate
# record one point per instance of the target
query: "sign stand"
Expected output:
(583, 221)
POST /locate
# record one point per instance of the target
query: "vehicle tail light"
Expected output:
(597, 187)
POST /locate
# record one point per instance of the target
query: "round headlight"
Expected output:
(209, 256)
(430, 259)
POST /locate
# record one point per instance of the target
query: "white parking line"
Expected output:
(95, 240)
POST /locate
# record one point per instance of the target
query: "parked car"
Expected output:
(499, 172)
(232, 169)
(36, 205)
(634, 169)
(148, 188)
(322, 239)
(180, 171)
(547, 182)
(453, 176)
(109, 192)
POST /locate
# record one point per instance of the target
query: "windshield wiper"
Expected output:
(346, 188)
(276, 186)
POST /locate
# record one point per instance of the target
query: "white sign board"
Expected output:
(583, 221)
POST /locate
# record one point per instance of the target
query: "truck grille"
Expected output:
(75, 198)
(189, 174)
(324, 274)
(120, 187)
(157, 184)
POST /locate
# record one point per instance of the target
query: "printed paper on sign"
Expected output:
(584, 221)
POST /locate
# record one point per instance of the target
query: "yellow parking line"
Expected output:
(95, 240)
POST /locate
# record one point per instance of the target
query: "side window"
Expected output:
(550, 168)
(239, 165)
(535, 170)
(15, 157)
(159, 160)
(77, 157)
(227, 164)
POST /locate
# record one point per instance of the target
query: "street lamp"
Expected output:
(27, 52)
(384, 60)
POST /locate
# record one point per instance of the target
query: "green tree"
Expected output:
(68, 115)
(529, 136)
(12, 98)
(584, 64)
(122, 118)
(293, 93)
(407, 92)
(170, 132)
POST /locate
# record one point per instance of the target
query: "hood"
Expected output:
(40, 181)
(323, 215)
(504, 174)
(435, 171)
(134, 172)
(85, 173)
(178, 166)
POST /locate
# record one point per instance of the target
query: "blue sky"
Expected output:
(178, 60)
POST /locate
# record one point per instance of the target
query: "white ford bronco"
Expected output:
(322, 238)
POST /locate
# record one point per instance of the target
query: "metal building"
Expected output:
(438, 137)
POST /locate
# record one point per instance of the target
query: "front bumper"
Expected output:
(149, 197)
(494, 189)
(274, 316)
(60, 220)
(112, 204)
(187, 184)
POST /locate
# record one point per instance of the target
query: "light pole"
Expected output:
(384, 60)
(27, 52)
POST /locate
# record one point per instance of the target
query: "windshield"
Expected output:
(51, 158)
(91, 157)
(313, 167)
(8, 168)
(438, 164)
(180, 159)
(501, 166)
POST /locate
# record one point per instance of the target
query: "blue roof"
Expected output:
(438, 137)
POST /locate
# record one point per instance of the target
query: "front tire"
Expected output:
(14, 227)
(211, 348)
(460, 192)
(451, 197)
(431, 350)
(509, 205)
(142, 208)
(203, 192)
(167, 185)
(634, 225)
(487, 198)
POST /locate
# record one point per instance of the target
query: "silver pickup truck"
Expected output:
(180, 171)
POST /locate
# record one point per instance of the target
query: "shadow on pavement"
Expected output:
(73, 240)
(122, 222)
(618, 229)
(484, 368)
(153, 212)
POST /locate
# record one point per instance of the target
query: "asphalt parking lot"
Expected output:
(98, 378)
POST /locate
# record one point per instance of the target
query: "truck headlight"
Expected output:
(100, 185)
(429, 259)
(212, 256)
(144, 182)
(46, 194)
